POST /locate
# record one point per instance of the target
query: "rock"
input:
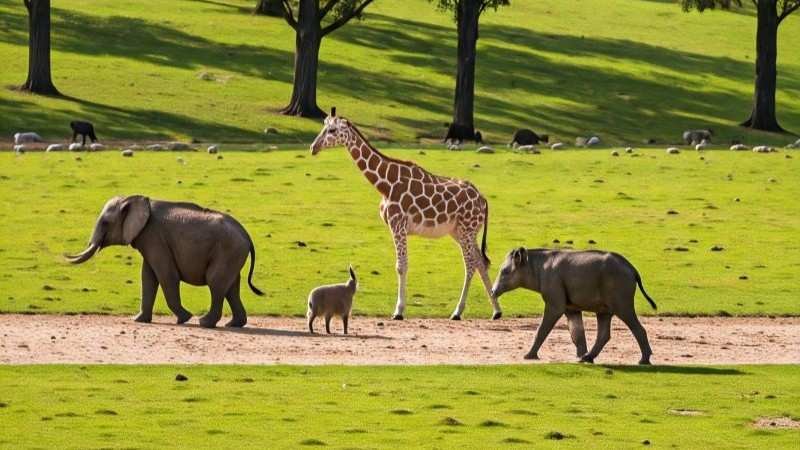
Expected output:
(206, 76)
(717, 248)
(739, 147)
(75, 147)
(180, 161)
(178, 146)
(772, 180)
(629, 150)
(580, 142)
(529, 149)
(20, 148)
(592, 141)
(762, 149)
(672, 212)
(56, 147)
(485, 149)
(787, 156)
(270, 130)
(213, 149)
(701, 146)
(558, 146)
(26, 137)
(127, 153)
(614, 153)
(96, 146)
(673, 151)
(219, 156)
(155, 147)
(181, 377)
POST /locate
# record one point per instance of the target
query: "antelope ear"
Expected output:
(520, 256)
(135, 213)
(333, 111)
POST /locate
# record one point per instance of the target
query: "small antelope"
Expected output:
(332, 300)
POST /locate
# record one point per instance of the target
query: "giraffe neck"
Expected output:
(371, 162)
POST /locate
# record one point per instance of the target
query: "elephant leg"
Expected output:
(630, 319)
(237, 308)
(328, 323)
(401, 251)
(575, 324)
(210, 319)
(170, 285)
(345, 319)
(603, 335)
(551, 315)
(149, 290)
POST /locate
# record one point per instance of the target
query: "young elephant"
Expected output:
(179, 242)
(575, 281)
(332, 300)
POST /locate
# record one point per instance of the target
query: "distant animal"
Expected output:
(456, 133)
(178, 242)
(84, 129)
(332, 300)
(417, 202)
(26, 138)
(527, 137)
(694, 137)
(574, 281)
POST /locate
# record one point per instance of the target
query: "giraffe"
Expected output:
(417, 202)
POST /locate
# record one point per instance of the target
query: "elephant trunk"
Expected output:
(84, 255)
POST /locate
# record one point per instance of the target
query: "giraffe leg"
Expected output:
(487, 284)
(401, 250)
(469, 271)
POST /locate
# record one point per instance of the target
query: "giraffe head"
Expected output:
(335, 131)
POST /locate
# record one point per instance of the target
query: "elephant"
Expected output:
(574, 281)
(178, 242)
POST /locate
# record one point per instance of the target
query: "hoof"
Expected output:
(587, 359)
(141, 318)
(645, 362)
(206, 322)
(183, 318)
(233, 323)
(455, 317)
(397, 317)
(531, 356)
(497, 315)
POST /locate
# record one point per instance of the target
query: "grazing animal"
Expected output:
(84, 129)
(527, 137)
(417, 202)
(694, 137)
(332, 300)
(178, 242)
(574, 281)
(455, 133)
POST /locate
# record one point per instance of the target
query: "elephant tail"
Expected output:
(255, 290)
(641, 288)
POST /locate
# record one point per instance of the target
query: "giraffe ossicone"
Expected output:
(417, 202)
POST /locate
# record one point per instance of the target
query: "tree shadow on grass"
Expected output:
(682, 370)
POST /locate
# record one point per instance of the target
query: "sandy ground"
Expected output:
(94, 339)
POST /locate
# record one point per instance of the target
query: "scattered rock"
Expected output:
(743, 277)
(739, 147)
(486, 149)
(672, 212)
(673, 151)
(592, 241)
(772, 180)
(529, 149)
(181, 377)
(556, 436)
(614, 153)
(629, 150)
(127, 153)
(301, 244)
(155, 147)
(592, 141)
(213, 149)
(450, 422)
(219, 156)
(75, 147)
(681, 249)
(787, 156)
(56, 147)
(717, 248)
(178, 146)
(646, 442)
(762, 149)
(270, 130)
(701, 146)
(558, 146)
(96, 147)
(422, 152)
(206, 76)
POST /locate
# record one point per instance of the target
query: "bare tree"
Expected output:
(272, 8)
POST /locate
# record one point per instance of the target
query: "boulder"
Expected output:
(629, 150)
(673, 151)
(614, 153)
(213, 149)
(485, 149)
(127, 153)
(56, 147)
(155, 147)
(75, 147)
(96, 146)
(762, 149)
(178, 146)
(739, 147)
(592, 141)
(558, 146)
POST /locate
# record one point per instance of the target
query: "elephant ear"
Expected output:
(520, 256)
(135, 213)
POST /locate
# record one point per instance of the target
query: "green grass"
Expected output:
(49, 202)
(626, 70)
(395, 407)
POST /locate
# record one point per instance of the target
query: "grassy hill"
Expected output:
(626, 70)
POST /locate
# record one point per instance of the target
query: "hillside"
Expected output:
(626, 70)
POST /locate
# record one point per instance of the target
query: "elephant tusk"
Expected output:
(83, 256)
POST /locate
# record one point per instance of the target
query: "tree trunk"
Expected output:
(308, 38)
(269, 8)
(762, 116)
(39, 80)
(463, 127)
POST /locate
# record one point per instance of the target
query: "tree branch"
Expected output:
(345, 18)
(788, 8)
(327, 8)
(288, 15)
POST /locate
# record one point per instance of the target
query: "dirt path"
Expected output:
(89, 339)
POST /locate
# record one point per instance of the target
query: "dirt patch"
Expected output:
(776, 423)
(96, 339)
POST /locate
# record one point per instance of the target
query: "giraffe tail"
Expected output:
(486, 259)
